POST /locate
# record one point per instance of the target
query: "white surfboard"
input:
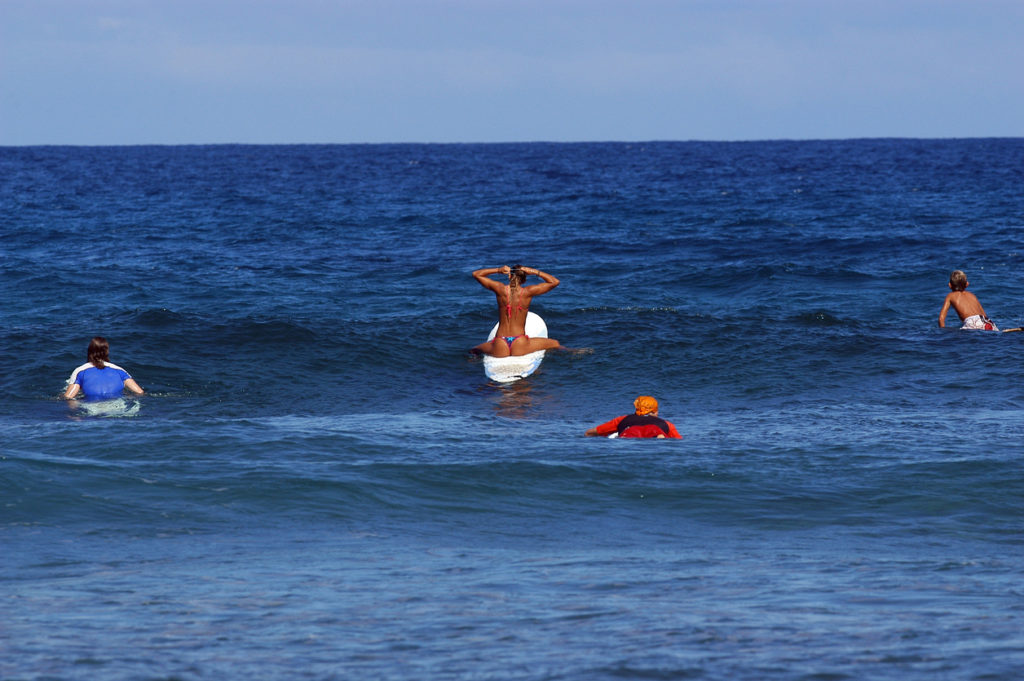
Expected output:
(509, 369)
(113, 408)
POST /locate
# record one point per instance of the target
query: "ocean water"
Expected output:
(321, 483)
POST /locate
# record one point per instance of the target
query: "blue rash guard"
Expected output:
(102, 384)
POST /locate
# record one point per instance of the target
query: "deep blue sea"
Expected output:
(321, 483)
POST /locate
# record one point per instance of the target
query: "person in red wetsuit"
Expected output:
(643, 423)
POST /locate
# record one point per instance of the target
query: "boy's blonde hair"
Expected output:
(958, 280)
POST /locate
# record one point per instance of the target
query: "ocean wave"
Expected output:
(522, 493)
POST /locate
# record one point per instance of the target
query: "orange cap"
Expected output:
(645, 404)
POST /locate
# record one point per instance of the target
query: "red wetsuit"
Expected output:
(634, 425)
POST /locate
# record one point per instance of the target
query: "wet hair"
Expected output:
(516, 275)
(958, 280)
(99, 351)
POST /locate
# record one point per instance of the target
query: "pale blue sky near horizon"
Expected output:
(113, 72)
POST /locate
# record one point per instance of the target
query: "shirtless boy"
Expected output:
(967, 306)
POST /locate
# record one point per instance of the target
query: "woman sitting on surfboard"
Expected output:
(513, 305)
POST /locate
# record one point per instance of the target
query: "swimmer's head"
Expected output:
(99, 351)
(958, 280)
(516, 275)
(645, 404)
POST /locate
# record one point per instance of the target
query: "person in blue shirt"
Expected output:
(98, 379)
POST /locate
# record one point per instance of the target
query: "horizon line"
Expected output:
(506, 142)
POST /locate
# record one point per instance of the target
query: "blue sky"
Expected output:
(339, 71)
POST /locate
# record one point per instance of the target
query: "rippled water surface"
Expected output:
(321, 483)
